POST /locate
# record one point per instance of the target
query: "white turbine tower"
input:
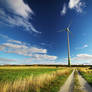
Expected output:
(68, 31)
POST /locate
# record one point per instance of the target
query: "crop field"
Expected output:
(32, 79)
(87, 74)
(13, 73)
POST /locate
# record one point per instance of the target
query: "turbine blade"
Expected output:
(69, 24)
(61, 30)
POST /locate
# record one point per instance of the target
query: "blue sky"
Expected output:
(29, 31)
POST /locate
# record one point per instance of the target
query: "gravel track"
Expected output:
(68, 85)
(85, 87)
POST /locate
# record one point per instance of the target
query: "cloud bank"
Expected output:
(63, 12)
(30, 53)
(83, 47)
(82, 58)
(17, 13)
(76, 5)
(18, 7)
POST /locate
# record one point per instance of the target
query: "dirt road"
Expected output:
(85, 87)
(68, 86)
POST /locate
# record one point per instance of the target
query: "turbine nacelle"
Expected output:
(67, 29)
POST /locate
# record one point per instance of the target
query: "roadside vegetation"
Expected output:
(32, 79)
(87, 74)
(76, 82)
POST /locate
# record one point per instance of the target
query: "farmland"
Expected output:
(45, 79)
(13, 73)
(32, 79)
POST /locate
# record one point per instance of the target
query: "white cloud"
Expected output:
(4, 36)
(15, 41)
(83, 57)
(21, 22)
(44, 57)
(21, 49)
(14, 46)
(76, 4)
(23, 52)
(6, 59)
(30, 54)
(2, 48)
(20, 7)
(17, 13)
(63, 12)
(17, 6)
(2, 12)
(73, 4)
(85, 46)
(37, 50)
(18, 47)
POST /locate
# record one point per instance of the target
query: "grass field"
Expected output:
(87, 74)
(13, 73)
(32, 79)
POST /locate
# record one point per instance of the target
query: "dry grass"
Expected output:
(76, 82)
(86, 74)
(31, 84)
(85, 70)
(24, 67)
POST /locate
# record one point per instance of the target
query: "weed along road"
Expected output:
(68, 85)
(85, 87)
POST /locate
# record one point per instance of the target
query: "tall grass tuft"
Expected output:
(31, 84)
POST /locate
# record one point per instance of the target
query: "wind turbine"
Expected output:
(67, 29)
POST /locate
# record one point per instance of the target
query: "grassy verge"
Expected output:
(76, 82)
(87, 74)
(55, 85)
(48, 82)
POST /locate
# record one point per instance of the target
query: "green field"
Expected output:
(11, 74)
(32, 79)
